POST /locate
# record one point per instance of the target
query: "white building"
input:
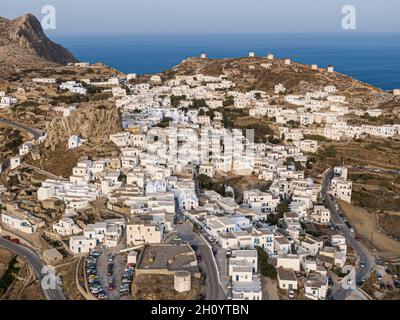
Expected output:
(15, 162)
(66, 227)
(74, 142)
(81, 245)
(316, 287)
(141, 232)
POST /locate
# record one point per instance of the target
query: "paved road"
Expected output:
(213, 289)
(37, 264)
(36, 133)
(338, 292)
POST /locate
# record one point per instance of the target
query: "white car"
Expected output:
(291, 294)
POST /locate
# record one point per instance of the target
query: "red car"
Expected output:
(15, 241)
(7, 238)
(357, 237)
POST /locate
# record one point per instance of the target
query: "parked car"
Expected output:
(382, 286)
(7, 238)
(362, 264)
(291, 294)
(16, 241)
(102, 296)
(397, 284)
(352, 230)
(389, 272)
(357, 237)
(389, 286)
(379, 276)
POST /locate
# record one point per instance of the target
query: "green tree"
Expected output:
(266, 269)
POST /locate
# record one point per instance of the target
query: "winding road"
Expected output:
(36, 133)
(37, 264)
(339, 293)
(213, 289)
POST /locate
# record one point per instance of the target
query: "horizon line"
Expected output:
(344, 33)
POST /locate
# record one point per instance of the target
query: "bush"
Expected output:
(175, 100)
(28, 103)
(198, 103)
(206, 183)
(327, 152)
(9, 276)
(165, 122)
(266, 269)
(229, 101)
(100, 96)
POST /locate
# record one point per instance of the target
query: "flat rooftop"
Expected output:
(168, 256)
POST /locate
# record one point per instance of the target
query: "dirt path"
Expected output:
(365, 224)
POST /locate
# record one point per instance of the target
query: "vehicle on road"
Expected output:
(379, 276)
(352, 230)
(362, 264)
(357, 237)
(16, 241)
(102, 295)
(363, 279)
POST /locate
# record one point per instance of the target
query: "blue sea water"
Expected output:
(373, 58)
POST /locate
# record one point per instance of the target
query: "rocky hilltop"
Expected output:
(260, 73)
(89, 122)
(23, 44)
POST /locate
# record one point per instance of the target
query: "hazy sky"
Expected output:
(208, 16)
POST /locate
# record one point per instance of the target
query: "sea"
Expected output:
(372, 58)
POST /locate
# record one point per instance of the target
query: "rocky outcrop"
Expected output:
(90, 123)
(24, 44)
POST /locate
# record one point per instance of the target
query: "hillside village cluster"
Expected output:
(164, 148)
